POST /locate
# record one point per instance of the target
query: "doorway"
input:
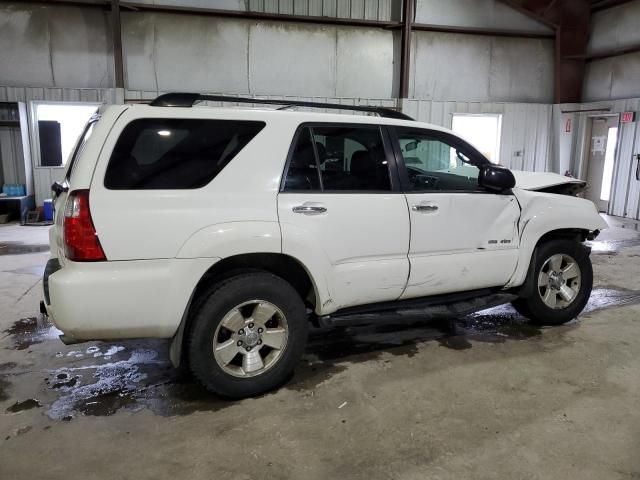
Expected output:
(58, 127)
(601, 159)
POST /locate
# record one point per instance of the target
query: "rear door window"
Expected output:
(82, 141)
(339, 158)
(175, 153)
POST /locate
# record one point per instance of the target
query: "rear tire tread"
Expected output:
(201, 361)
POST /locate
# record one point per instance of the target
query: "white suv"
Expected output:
(229, 230)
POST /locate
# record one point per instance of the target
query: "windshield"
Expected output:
(82, 141)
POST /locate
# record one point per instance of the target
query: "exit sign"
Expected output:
(628, 117)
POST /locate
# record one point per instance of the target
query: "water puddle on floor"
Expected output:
(27, 404)
(612, 247)
(101, 379)
(19, 248)
(30, 331)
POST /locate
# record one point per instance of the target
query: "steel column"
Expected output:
(408, 9)
(116, 33)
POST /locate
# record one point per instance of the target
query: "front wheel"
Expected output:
(247, 335)
(563, 279)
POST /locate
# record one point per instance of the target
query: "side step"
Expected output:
(429, 311)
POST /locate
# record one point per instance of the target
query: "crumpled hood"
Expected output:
(542, 180)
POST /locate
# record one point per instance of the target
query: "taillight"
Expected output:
(81, 242)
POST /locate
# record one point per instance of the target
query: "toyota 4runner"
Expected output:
(228, 230)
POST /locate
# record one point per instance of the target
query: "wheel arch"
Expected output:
(284, 266)
(522, 279)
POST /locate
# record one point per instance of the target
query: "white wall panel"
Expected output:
(364, 63)
(485, 68)
(615, 27)
(613, 78)
(293, 59)
(54, 46)
(185, 52)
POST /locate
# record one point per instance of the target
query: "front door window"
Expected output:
(433, 164)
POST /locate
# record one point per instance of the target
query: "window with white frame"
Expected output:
(482, 131)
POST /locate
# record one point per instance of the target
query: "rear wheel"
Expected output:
(563, 279)
(247, 335)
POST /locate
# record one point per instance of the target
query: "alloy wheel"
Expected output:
(559, 281)
(250, 339)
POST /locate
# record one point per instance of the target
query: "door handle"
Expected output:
(309, 209)
(425, 208)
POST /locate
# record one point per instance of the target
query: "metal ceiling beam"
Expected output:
(72, 3)
(605, 4)
(613, 53)
(491, 32)
(247, 15)
(519, 7)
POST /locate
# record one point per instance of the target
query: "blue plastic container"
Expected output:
(48, 210)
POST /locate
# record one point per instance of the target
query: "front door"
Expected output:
(604, 134)
(342, 214)
(462, 236)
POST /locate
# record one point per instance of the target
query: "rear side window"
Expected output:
(82, 141)
(338, 158)
(175, 153)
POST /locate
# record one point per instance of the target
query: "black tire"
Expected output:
(221, 299)
(534, 308)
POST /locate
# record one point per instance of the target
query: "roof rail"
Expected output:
(189, 99)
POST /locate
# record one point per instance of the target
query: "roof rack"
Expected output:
(189, 99)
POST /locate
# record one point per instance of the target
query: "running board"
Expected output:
(405, 313)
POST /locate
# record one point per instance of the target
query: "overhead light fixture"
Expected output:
(164, 133)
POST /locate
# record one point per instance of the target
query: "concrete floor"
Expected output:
(496, 399)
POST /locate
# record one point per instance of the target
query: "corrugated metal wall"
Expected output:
(27, 94)
(526, 128)
(11, 156)
(357, 9)
(625, 191)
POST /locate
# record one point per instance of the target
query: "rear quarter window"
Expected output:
(175, 153)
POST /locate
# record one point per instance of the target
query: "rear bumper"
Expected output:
(115, 300)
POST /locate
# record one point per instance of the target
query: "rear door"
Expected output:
(343, 215)
(462, 236)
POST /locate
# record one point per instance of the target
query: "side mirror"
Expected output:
(496, 178)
